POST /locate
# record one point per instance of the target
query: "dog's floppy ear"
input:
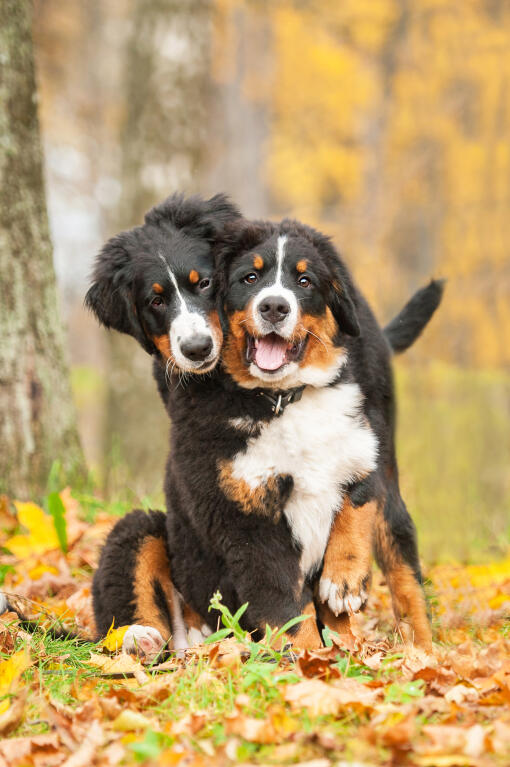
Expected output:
(111, 296)
(342, 307)
(341, 291)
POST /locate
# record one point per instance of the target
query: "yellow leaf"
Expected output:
(129, 720)
(36, 572)
(118, 664)
(113, 640)
(41, 535)
(10, 672)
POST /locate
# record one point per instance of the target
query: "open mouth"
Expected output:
(270, 353)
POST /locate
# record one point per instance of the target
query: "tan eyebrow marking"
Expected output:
(193, 276)
(302, 265)
(258, 262)
(157, 288)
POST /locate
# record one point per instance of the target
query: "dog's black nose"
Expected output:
(274, 309)
(197, 348)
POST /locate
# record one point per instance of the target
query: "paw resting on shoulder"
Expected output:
(266, 499)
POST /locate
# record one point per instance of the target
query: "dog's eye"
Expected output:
(204, 284)
(157, 301)
(251, 278)
(304, 281)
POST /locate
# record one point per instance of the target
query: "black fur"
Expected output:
(212, 543)
(407, 326)
(113, 585)
(181, 232)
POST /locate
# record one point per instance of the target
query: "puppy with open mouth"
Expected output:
(281, 475)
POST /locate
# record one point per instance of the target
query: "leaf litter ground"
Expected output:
(365, 699)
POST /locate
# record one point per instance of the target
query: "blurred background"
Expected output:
(385, 123)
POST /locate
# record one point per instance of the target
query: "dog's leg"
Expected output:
(132, 586)
(346, 573)
(306, 636)
(397, 555)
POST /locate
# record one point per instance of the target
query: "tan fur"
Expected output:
(264, 500)
(258, 262)
(192, 620)
(193, 277)
(152, 564)
(339, 623)
(214, 324)
(162, 344)
(233, 354)
(157, 288)
(307, 636)
(302, 265)
(320, 351)
(348, 557)
(406, 593)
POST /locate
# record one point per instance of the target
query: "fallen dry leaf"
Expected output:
(320, 698)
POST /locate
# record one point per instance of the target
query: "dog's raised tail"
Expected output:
(404, 329)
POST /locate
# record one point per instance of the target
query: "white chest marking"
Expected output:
(324, 442)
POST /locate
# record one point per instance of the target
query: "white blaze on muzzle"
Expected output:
(285, 327)
(185, 328)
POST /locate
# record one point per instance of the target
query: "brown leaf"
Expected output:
(80, 604)
(92, 740)
(316, 665)
(249, 728)
(10, 719)
(320, 698)
(20, 750)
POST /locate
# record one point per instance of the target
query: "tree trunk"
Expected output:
(162, 148)
(37, 416)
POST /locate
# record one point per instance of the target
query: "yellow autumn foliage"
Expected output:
(41, 534)
(388, 127)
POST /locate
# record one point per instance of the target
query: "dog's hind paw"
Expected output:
(143, 640)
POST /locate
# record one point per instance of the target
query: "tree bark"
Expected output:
(162, 151)
(37, 416)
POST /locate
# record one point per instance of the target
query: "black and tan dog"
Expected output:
(296, 425)
(155, 283)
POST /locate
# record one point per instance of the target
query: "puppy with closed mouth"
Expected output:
(155, 283)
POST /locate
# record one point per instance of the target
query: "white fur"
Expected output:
(198, 636)
(185, 325)
(287, 327)
(144, 640)
(324, 442)
(329, 592)
(178, 626)
(244, 423)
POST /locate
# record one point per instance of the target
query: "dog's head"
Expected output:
(155, 282)
(288, 303)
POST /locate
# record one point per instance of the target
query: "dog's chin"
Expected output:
(197, 368)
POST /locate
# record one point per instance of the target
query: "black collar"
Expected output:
(280, 399)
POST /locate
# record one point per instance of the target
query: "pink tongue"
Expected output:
(270, 352)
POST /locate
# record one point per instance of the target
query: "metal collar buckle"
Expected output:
(280, 401)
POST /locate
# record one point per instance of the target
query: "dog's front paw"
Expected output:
(344, 594)
(143, 641)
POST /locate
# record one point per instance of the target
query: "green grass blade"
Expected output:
(58, 512)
